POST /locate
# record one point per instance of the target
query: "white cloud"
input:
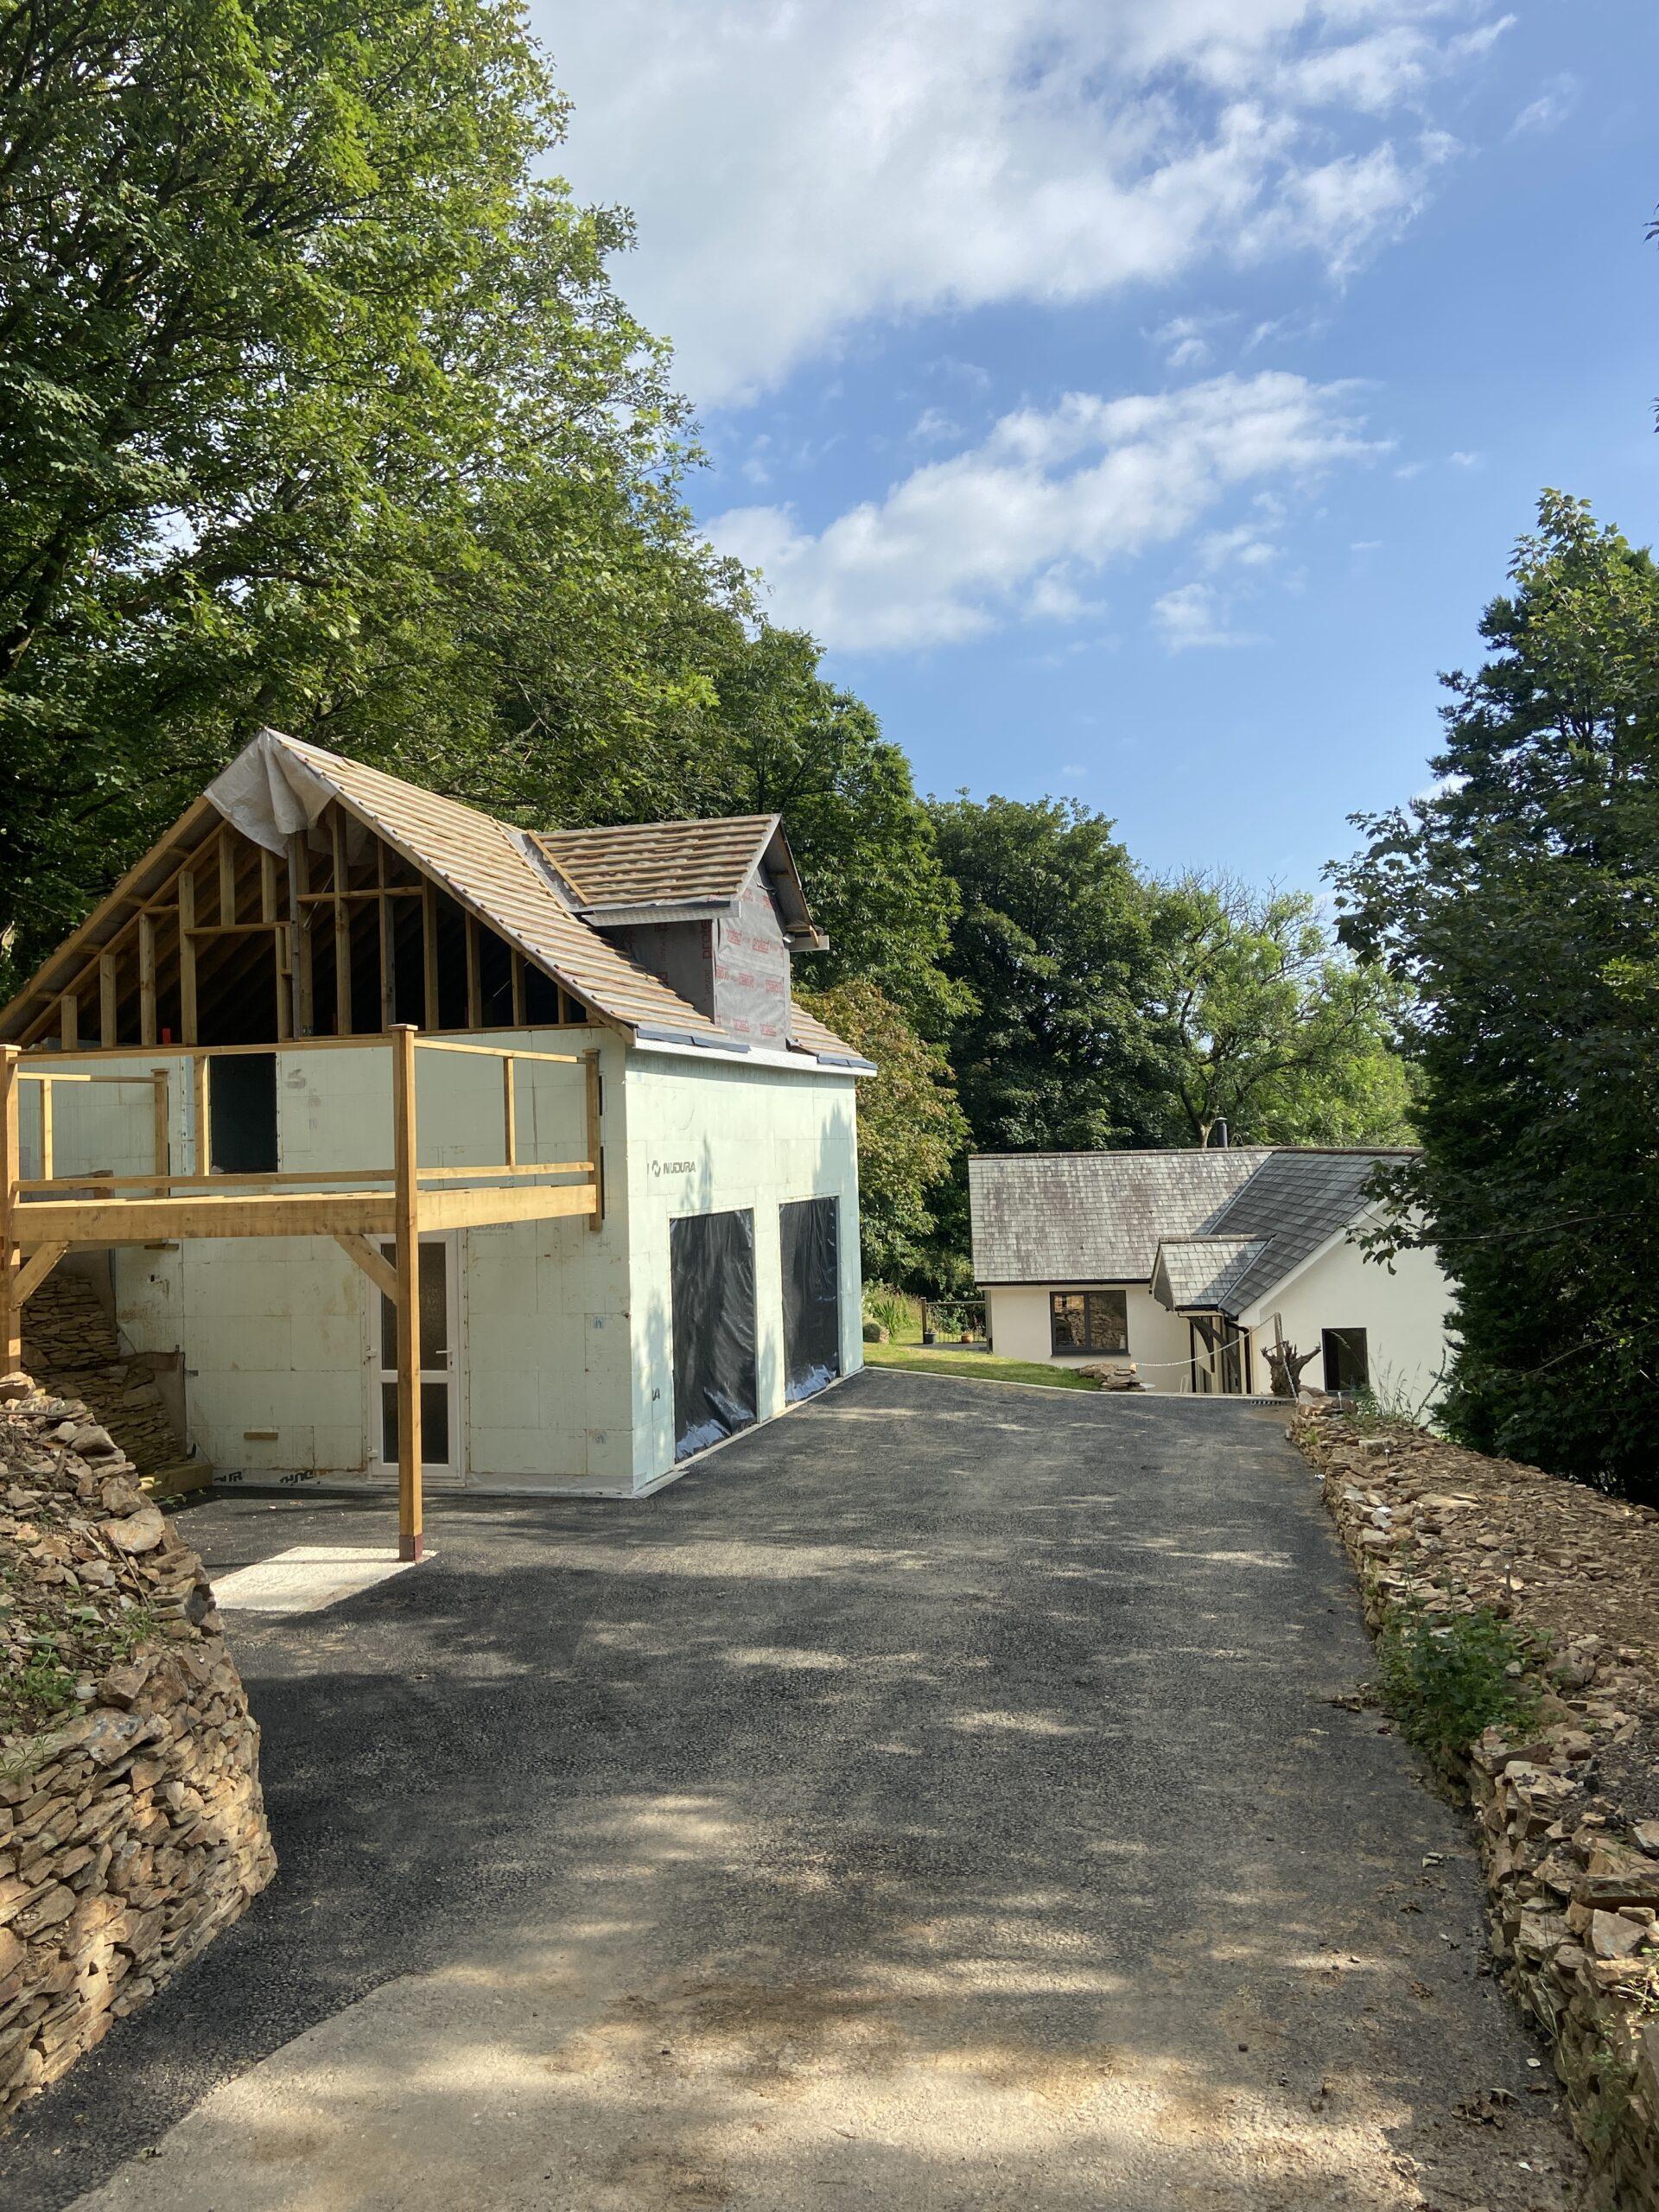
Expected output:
(798, 172)
(933, 427)
(1016, 527)
(1465, 459)
(1550, 110)
(1194, 614)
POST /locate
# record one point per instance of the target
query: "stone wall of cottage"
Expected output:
(131, 1824)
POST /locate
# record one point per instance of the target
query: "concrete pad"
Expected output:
(307, 1578)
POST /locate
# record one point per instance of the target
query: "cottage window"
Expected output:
(1347, 1359)
(1088, 1320)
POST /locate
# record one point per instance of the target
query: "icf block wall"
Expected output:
(713, 1136)
(278, 1334)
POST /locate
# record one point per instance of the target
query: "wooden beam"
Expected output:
(11, 1262)
(147, 979)
(406, 1213)
(162, 1161)
(430, 952)
(342, 933)
(474, 977)
(109, 1000)
(226, 877)
(509, 1113)
(477, 1207)
(590, 1063)
(498, 1052)
(516, 962)
(299, 876)
(48, 1141)
(296, 1178)
(187, 1023)
(69, 1010)
(34, 1271)
(378, 1269)
(267, 886)
(388, 961)
(201, 1113)
(79, 1222)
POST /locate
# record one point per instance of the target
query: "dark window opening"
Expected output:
(542, 996)
(809, 1232)
(711, 1279)
(242, 1113)
(1088, 1320)
(495, 980)
(1347, 1361)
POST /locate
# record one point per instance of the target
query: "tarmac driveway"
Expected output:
(931, 1802)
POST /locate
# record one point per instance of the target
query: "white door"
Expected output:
(440, 1377)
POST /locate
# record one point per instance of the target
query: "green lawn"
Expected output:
(975, 1367)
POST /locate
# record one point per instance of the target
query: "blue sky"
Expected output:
(1139, 398)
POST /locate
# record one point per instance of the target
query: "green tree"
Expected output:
(910, 1130)
(1267, 1027)
(1051, 954)
(316, 408)
(1520, 899)
(782, 739)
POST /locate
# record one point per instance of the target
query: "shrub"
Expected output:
(890, 1309)
(1445, 1676)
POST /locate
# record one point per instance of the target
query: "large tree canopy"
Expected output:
(1520, 901)
(318, 408)
(1267, 1026)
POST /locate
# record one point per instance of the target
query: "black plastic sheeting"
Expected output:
(809, 1231)
(711, 1280)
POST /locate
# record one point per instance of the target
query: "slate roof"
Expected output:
(1093, 1216)
(1215, 1230)
(1296, 1201)
(1200, 1271)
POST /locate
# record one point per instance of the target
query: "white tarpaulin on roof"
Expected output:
(269, 794)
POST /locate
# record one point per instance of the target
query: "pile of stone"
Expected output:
(1571, 1864)
(70, 1347)
(131, 1824)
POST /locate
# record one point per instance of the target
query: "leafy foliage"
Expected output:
(1052, 952)
(910, 1127)
(1267, 1026)
(1520, 901)
(1445, 1676)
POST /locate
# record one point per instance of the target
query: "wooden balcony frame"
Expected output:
(44, 1217)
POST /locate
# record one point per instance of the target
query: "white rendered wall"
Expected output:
(1403, 1313)
(1018, 1320)
(712, 1136)
(565, 1380)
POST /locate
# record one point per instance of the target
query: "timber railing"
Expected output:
(43, 1216)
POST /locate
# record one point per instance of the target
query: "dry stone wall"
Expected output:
(131, 1824)
(1569, 1814)
(70, 1347)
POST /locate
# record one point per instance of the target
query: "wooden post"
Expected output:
(299, 931)
(388, 956)
(69, 1018)
(342, 937)
(590, 1063)
(509, 1111)
(474, 977)
(517, 959)
(48, 1145)
(158, 1076)
(406, 1216)
(11, 1257)
(226, 878)
(201, 1115)
(188, 958)
(146, 979)
(430, 952)
(109, 999)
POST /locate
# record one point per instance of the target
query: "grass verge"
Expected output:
(975, 1367)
